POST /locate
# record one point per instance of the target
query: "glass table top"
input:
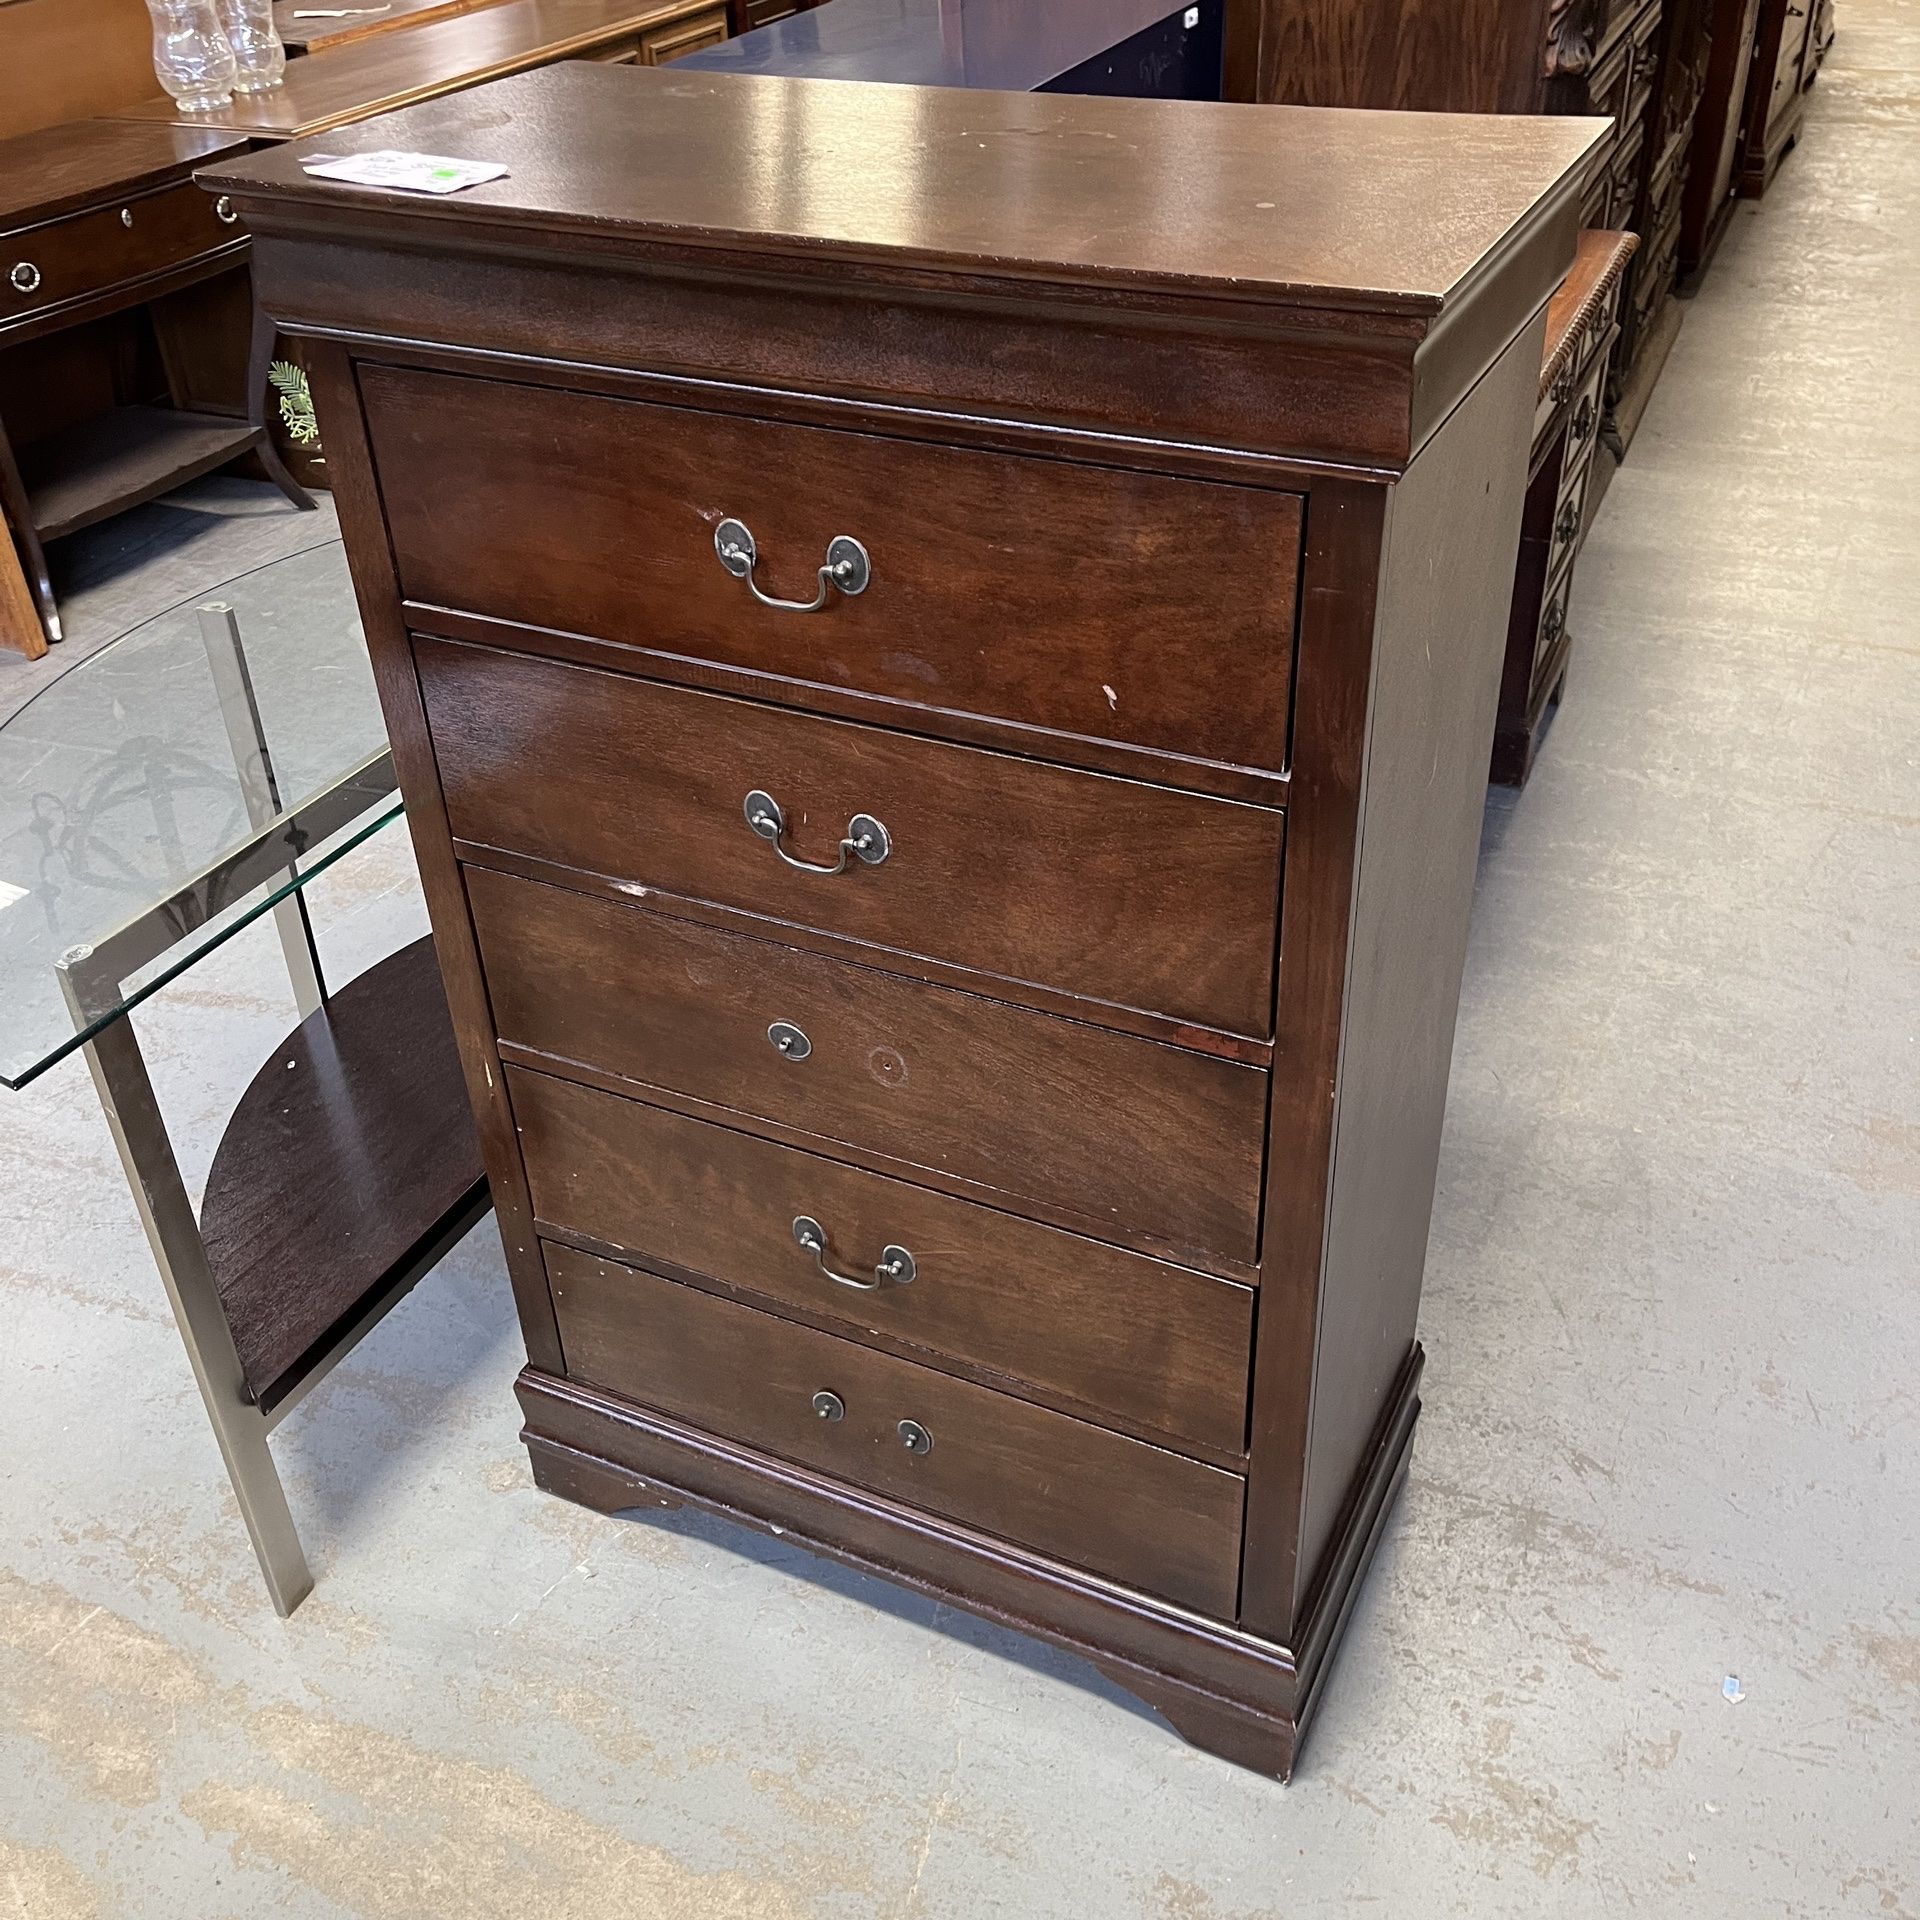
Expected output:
(125, 830)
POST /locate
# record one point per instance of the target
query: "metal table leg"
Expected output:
(146, 1153)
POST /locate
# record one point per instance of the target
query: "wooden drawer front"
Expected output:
(658, 45)
(86, 253)
(1155, 1345)
(1140, 895)
(1123, 606)
(1127, 1132)
(1067, 1489)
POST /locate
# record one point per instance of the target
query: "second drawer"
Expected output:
(1157, 1345)
(1129, 1134)
(1134, 894)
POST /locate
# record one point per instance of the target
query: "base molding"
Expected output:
(1225, 1691)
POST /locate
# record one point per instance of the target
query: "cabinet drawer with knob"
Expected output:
(60, 262)
(1033, 1306)
(1087, 602)
(1044, 1480)
(1129, 1135)
(1110, 889)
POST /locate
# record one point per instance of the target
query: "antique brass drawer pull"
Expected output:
(896, 1266)
(847, 566)
(866, 840)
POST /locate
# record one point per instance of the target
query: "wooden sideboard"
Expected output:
(1563, 486)
(1709, 194)
(376, 75)
(950, 840)
(129, 360)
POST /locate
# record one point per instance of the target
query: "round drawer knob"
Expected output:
(126, 216)
(829, 1406)
(25, 277)
(788, 1041)
(914, 1437)
(223, 211)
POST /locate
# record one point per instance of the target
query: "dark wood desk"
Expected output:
(128, 358)
(864, 932)
(361, 20)
(1135, 47)
(391, 70)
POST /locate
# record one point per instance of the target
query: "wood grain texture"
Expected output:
(349, 1148)
(1114, 890)
(66, 60)
(1136, 195)
(1177, 632)
(1121, 1507)
(1121, 1131)
(1434, 56)
(47, 174)
(1020, 1304)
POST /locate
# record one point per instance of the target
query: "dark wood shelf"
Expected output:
(116, 460)
(351, 1155)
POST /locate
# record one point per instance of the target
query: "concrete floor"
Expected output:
(1673, 1313)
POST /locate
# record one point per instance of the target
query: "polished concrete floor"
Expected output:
(1673, 1402)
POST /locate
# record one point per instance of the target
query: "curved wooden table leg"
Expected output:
(259, 359)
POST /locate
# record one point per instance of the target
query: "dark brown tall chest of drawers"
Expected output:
(942, 649)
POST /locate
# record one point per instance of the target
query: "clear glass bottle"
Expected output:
(259, 58)
(191, 55)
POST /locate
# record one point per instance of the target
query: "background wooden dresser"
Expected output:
(947, 758)
(1641, 62)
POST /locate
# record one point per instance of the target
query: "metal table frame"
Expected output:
(91, 978)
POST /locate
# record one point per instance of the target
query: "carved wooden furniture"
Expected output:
(1563, 482)
(1709, 195)
(128, 361)
(1789, 44)
(375, 75)
(945, 712)
(144, 821)
(1641, 62)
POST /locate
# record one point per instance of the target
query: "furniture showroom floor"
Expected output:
(1672, 1307)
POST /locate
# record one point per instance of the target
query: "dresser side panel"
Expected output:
(1452, 535)
(370, 561)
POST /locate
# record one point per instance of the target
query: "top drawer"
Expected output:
(1087, 601)
(103, 247)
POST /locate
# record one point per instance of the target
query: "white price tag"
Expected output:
(408, 172)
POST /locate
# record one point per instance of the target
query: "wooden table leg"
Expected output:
(20, 628)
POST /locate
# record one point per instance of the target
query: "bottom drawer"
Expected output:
(1072, 1491)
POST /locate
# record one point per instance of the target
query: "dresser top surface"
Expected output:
(80, 162)
(1381, 211)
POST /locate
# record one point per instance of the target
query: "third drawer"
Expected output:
(1132, 1136)
(1118, 890)
(1031, 1307)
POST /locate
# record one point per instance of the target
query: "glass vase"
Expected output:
(191, 56)
(260, 61)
